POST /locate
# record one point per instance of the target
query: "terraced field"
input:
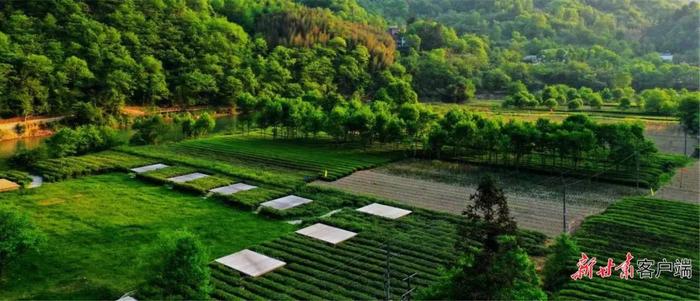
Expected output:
(648, 228)
(535, 201)
(354, 269)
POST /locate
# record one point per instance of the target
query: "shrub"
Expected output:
(551, 103)
(17, 235)
(575, 104)
(180, 271)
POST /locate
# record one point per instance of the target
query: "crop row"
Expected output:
(315, 158)
(19, 177)
(352, 270)
(248, 199)
(251, 173)
(71, 167)
(648, 228)
(420, 242)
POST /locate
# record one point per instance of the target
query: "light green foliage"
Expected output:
(575, 104)
(658, 101)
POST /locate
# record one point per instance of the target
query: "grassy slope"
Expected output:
(648, 228)
(98, 227)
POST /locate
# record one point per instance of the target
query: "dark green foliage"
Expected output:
(148, 130)
(490, 211)
(558, 268)
(23, 157)
(20, 177)
(499, 269)
(504, 274)
(81, 140)
(17, 236)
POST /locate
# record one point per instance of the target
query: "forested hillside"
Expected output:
(580, 43)
(57, 57)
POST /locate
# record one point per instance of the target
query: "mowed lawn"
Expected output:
(100, 228)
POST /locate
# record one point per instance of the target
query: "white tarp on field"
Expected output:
(251, 263)
(286, 202)
(188, 177)
(327, 233)
(231, 189)
(384, 211)
(148, 168)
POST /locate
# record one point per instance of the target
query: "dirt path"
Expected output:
(685, 185)
(529, 212)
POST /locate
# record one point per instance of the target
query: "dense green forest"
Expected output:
(63, 55)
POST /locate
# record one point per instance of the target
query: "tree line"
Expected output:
(655, 101)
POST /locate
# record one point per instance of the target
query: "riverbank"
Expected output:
(21, 128)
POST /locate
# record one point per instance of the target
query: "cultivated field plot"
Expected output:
(353, 269)
(315, 157)
(70, 167)
(685, 185)
(219, 184)
(648, 228)
(99, 230)
(269, 174)
(535, 201)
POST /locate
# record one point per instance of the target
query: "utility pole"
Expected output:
(387, 273)
(563, 185)
(409, 291)
(636, 159)
(685, 142)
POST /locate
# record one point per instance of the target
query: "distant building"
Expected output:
(532, 59)
(395, 33)
(666, 57)
(394, 30)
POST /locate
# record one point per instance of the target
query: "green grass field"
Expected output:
(98, 228)
(648, 228)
